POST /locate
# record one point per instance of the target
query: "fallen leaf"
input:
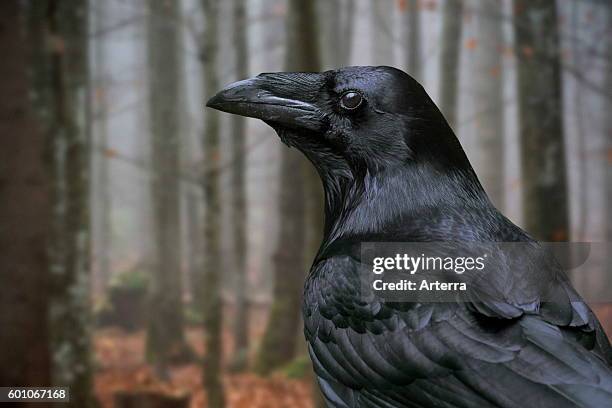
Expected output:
(495, 71)
(108, 152)
(471, 43)
(559, 235)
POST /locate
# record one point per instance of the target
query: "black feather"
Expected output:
(393, 171)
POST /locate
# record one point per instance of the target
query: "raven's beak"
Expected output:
(278, 99)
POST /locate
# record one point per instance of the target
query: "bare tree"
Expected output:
(336, 31)
(101, 194)
(61, 81)
(383, 36)
(25, 209)
(210, 291)
(165, 336)
(412, 27)
(452, 22)
(279, 343)
(543, 161)
(488, 89)
(193, 210)
(239, 213)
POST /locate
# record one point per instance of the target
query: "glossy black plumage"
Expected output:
(393, 170)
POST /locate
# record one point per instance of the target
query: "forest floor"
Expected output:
(120, 365)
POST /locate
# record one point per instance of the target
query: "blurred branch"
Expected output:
(116, 27)
(198, 177)
(553, 59)
(575, 72)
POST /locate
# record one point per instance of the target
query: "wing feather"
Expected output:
(381, 354)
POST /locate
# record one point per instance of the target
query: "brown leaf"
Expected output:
(108, 152)
(559, 235)
(471, 43)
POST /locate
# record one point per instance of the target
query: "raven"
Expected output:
(393, 171)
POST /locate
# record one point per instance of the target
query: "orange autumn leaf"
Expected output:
(402, 5)
(471, 43)
(559, 235)
(527, 51)
(108, 152)
(495, 71)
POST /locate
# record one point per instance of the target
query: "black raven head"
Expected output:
(357, 119)
(373, 134)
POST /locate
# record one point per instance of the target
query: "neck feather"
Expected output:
(371, 204)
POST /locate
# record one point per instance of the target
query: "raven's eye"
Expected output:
(351, 100)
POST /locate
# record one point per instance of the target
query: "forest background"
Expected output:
(154, 250)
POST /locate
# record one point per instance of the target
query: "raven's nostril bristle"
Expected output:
(263, 98)
(214, 102)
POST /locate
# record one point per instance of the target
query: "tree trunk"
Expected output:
(25, 208)
(303, 54)
(348, 28)
(70, 140)
(336, 32)
(239, 213)
(194, 235)
(412, 26)
(541, 125)
(101, 204)
(165, 337)
(383, 36)
(60, 58)
(489, 103)
(211, 290)
(452, 22)
(279, 343)
(330, 32)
